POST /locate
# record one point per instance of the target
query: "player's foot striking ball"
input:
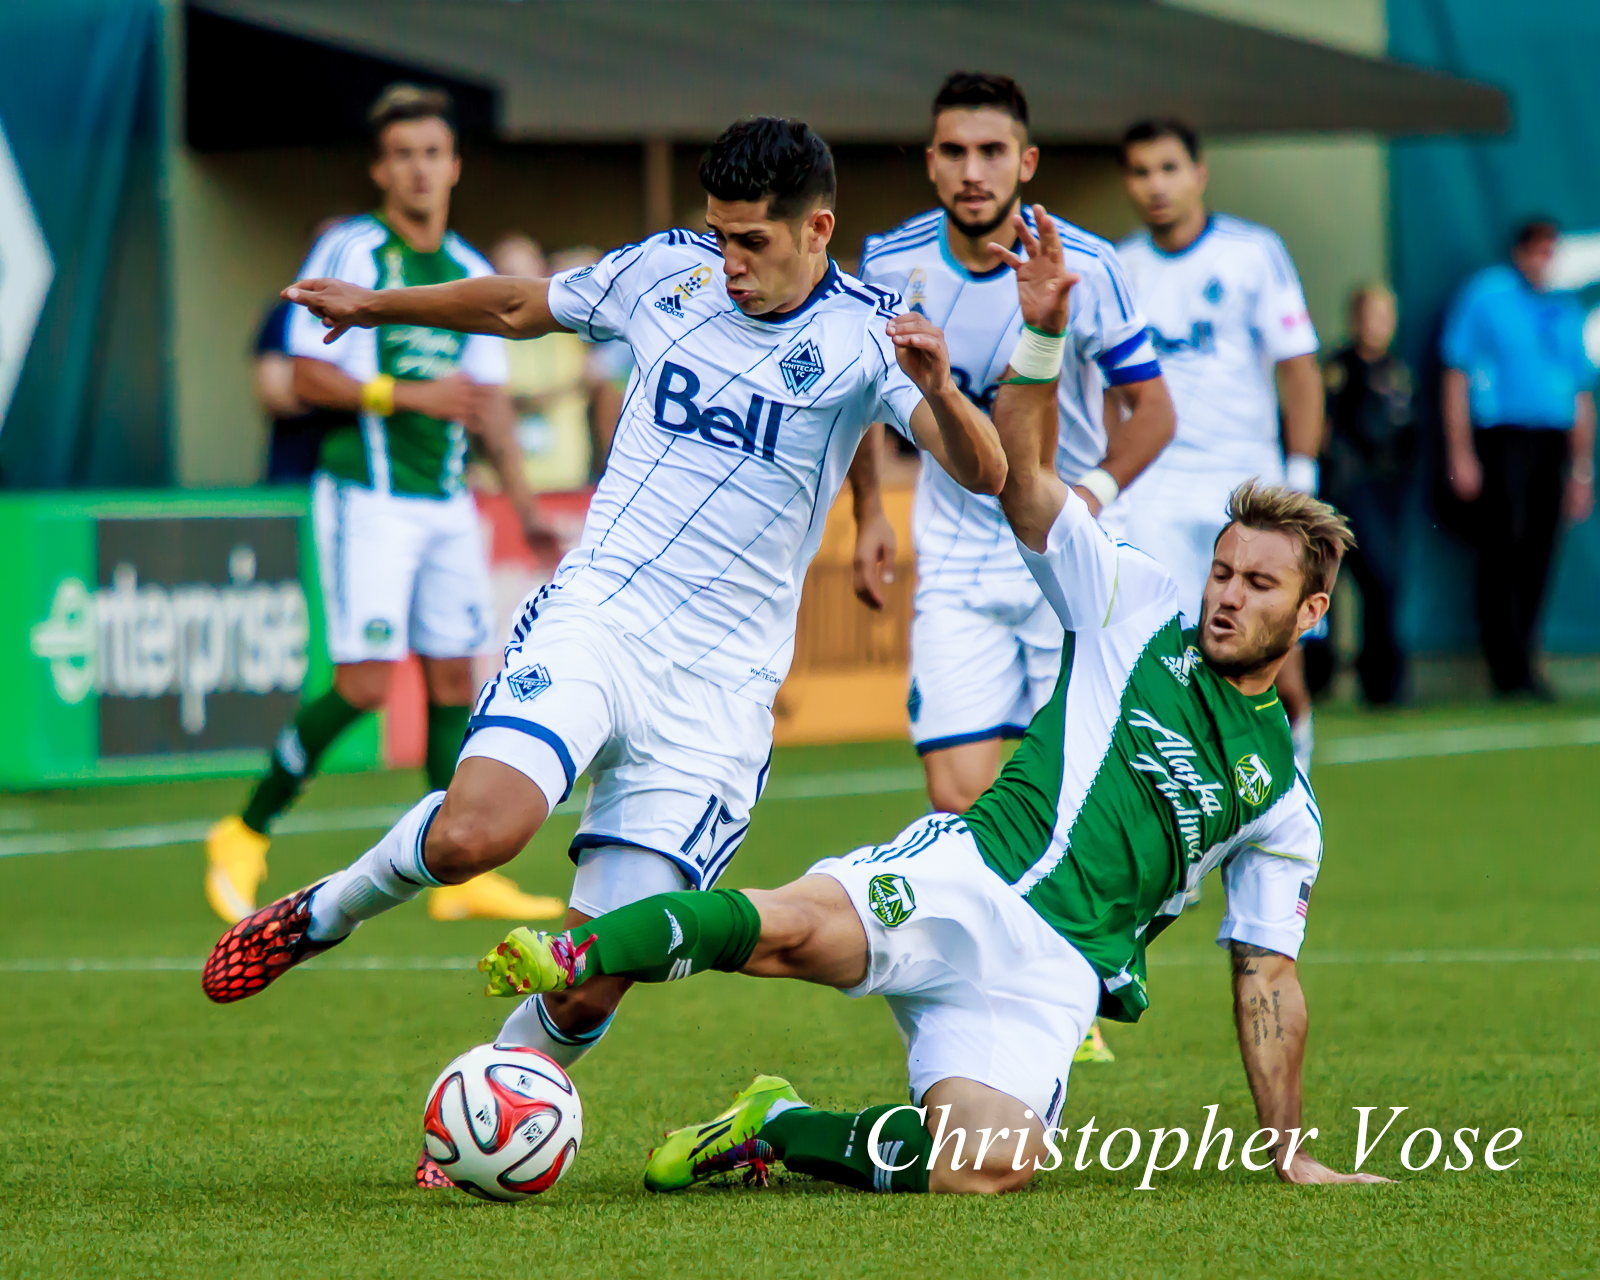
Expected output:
(260, 948)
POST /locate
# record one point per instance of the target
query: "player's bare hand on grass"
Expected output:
(873, 568)
(337, 304)
(920, 349)
(1043, 282)
(1303, 1170)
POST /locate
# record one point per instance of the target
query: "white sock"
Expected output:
(389, 873)
(531, 1026)
(1304, 739)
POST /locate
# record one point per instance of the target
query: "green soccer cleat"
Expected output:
(1094, 1048)
(529, 963)
(723, 1145)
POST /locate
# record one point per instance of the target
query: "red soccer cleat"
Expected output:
(262, 946)
(430, 1177)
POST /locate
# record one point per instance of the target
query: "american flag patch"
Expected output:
(1305, 899)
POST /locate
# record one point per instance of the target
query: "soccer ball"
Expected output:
(503, 1122)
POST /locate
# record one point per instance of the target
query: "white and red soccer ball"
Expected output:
(503, 1122)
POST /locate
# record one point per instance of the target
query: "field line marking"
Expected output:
(1365, 749)
(457, 964)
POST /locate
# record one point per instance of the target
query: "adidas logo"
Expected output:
(677, 930)
(1183, 668)
(672, 304)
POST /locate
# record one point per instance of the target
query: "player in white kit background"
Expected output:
(1230, 326)
(653, 657)
(985, 647)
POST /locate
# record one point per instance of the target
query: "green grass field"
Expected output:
(151, 1134)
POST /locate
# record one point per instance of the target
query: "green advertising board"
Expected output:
(158, 635)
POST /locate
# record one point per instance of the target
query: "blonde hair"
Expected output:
(1322, 533)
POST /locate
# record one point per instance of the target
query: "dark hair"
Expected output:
(1536, 230)
(782, 161)
(408, 102)
(972, 89)
(1161, 127)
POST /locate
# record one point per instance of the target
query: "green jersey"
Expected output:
(1144, 771)
(403, 453)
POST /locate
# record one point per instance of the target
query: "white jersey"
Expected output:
(965, 548)
(1222, 313)
(735, 436)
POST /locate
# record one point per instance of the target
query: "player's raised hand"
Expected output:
(337, 304)
(920, 349)
(1303, 1170)
(1043, 281)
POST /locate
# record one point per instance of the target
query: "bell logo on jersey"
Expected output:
(755, 430)
(801, 368)
(1212, 293)
(1252, 780)
(891, 899)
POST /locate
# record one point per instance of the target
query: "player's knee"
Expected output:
(992, 1179)
(468, 839)
(364, 685)
(952, 794)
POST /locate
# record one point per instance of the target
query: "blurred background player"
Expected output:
(1368, 474)
(1518, 410)
(985, 646)
(1230, 326)
(399, 550)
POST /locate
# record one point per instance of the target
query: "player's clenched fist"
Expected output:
(1043, 281)
(920, 349)
(337, 304)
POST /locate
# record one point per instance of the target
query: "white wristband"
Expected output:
(1300, 473)
(1102, 484)
(1038, 356)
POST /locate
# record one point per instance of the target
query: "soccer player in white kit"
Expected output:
(653, 657)
(985, 645)
(1230, 326)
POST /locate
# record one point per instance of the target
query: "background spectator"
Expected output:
(1518, 412)
(1367, 473)
(548, 384)
(295, 436)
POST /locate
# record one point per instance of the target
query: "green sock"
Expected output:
(447, 730)
(295, 756)
(672, 935)
(834, 1145)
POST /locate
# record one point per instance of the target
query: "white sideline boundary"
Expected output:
(1366, 749)
(458, 964)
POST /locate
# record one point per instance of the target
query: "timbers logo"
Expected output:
(891, 899)
(1251, 779)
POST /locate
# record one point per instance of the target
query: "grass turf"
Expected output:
(149, 1133)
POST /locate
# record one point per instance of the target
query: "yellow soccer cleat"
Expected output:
(491, 897)
(1094, 1048)
(236, 864)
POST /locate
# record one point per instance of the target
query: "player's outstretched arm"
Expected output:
(506, 306)
(955, 431)
(875, 540)
(1269, 1013)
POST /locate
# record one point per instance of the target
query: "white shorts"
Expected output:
(981, 987)
(979, 674)
(400, 574)
(676, 762)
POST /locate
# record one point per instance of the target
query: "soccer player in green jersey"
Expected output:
(399, 550)
(997, 935)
